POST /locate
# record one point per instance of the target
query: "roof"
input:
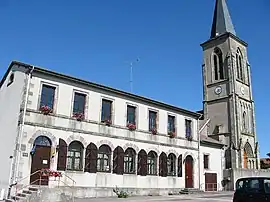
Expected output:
(103, 88)
(206, 139)
(222, 22)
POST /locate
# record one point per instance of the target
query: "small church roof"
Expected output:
(222, 22)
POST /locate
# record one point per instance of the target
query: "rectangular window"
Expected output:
(106, 114)
(47, 96)
(171, 123)
(188, 128)
(206, 161)
(131, 115)
(152, 120)
(79, 103)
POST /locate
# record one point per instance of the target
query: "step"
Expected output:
(9, 200)
(28, 192)
(18, 198)
(33, 189)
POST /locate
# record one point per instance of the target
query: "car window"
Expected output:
(248, 185)
(266, 183)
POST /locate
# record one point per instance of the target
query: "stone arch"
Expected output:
(131, 145)
(77, 138)
(106, 142)
(188, 154)
(172, 151)
(152, 149)
(43, 133)
(248, 149)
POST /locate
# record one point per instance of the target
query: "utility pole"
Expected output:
(131, 73)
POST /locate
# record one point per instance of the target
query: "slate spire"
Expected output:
(222, 22)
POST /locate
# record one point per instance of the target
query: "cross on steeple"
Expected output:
(222, 22)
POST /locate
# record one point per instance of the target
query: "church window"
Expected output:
(152, 163)
(244, 121)
(106, 113)
(74, 156)
(91, 158)
(239, 65)
(152, 120)
(131, 114)
(104, 159)
(171, 163)
(79, 104)
(129, 161)
(171, 123)
(218, 65)
(188, 128)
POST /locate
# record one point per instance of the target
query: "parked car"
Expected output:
(252, 189)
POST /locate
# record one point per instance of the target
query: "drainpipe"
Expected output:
(199, 146)
(18, 156)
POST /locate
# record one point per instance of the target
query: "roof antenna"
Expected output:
(131, 73)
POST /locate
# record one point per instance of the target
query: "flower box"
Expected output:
(50, 173)
(46, 109)
(131, 126)
(171, 134)
(154, 131)
(79, 116)
(107, 122)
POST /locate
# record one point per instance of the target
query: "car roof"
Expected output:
(253, 177)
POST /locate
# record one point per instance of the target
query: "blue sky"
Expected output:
(93, 40)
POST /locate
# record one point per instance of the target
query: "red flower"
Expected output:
(79, 116)
(154, 131)
(108, 122)
(45, 109)
(172, 134)
(131, 126)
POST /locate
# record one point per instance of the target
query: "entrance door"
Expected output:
(210, 182)
(41, 155)
(189, 172)
(245, 159)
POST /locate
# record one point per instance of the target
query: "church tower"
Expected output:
(227, 92)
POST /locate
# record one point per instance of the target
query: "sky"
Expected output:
(97, 39)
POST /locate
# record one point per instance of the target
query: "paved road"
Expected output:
(182, 198)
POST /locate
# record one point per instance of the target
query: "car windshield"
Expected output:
(253, 185)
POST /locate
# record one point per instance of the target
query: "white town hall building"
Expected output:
(101, 138)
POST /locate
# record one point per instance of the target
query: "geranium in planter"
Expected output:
(79, 116)
(45, 109)
(171, 134)
(154, 131)
(107, 122)
(131, 126)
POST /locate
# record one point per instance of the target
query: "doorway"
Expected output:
(41, 155)
(189, 172)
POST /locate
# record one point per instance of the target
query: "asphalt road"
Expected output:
(181, 198)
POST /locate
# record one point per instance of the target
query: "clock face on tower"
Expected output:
(242, 89)
(218, 90)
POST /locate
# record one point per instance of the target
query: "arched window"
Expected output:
(129, 161)
(118, 161)
(218, 65)
(152, 163)
(171, 165)
(142, 163)
(239, 65)
(62, 155)
(244, 121)
(43, 141)
(91, 158)
(180, 162)
(163, 170)
(104, 159)
(75, 156)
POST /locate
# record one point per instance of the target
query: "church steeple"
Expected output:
(222, 22)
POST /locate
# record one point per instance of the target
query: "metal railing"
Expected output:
(40, 180)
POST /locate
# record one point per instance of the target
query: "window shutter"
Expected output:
(160, 166)
(93, 158)
(62, 155)
(144, 164)
(179, 166)
(115, 156)
(118, 161)
(139, 164)
(165, 166)
(87, 159)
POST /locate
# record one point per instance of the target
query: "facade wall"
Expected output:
(11, 95)
(216, 165)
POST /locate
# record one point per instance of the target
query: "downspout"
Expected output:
(199, 146)
(18, 156)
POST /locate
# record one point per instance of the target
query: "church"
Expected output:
(90, 140)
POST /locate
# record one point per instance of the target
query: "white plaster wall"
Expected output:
(108, 179)
(216, 164)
